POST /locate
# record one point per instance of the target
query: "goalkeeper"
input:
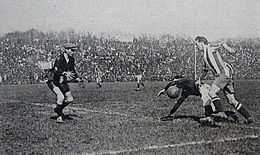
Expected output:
(63, 71)
(181, 88)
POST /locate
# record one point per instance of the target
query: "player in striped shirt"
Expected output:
(223, 77)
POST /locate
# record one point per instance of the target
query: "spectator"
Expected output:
(160, 57)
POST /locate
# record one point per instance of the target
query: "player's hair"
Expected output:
(202, 39)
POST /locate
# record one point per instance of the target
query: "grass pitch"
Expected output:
(116, 119)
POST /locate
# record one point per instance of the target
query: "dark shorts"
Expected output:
(64, 87)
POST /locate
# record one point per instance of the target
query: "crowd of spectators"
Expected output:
(161, 58)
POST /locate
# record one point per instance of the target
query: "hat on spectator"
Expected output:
(70, 46)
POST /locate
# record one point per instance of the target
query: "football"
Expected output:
(173, 92)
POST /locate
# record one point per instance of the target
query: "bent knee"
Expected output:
(232, 100)
(59, 95)
(213, 91)
(69, 97)
(60, 99)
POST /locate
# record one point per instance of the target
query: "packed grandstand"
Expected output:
(21, 54)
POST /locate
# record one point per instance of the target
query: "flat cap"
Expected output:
(70, 46)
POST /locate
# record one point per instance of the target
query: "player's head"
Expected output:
(200, 42)
(69, 48)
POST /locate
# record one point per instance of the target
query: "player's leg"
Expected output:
(138, 77)
(138, 85)
(99, 83)
(204, 91)
(141, 81)
(98, 80)
(218, 84)
(177, 104)
(206, 100)
(59, 100)
(230, 95)
(67, 94)
(216, 104)
(138, 81)
(181, 97)
(68, 100)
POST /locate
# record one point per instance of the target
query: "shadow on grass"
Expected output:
(66, 117)
(171, 118)
(231, 118)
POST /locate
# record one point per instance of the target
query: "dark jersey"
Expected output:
(61, 66)
(188, 86)
(138, 70)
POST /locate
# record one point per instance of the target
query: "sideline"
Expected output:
(156, 147)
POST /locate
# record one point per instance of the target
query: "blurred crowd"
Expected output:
(160, 58)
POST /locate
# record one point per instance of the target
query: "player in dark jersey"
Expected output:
(191, 87)
(63, 71)
(187, 88)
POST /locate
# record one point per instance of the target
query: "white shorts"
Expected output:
(139, 78)
(204, 90)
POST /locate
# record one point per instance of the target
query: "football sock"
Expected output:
(138, 85)
(142, 84)
(208, 110)
(217, 105)
(65, 104)
(58, 109)
(243, 111)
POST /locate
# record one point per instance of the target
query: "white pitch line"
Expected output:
(84, 110)
(249, 127)
(155, 147)
(9, 101)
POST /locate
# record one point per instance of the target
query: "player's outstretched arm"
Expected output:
(177, 104)
(229, 49)
(172, 83)
(174, 109)
(161, 92)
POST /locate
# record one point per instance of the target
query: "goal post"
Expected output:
(195, 62)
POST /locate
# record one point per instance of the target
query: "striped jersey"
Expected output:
(214, 62)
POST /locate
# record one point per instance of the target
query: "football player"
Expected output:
(139, 77)
(181, 88)
(1, 79)
(63, 71)
(99, 75)
(223, 80)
